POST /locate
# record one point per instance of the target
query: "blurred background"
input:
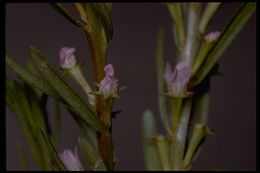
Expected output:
(132, 52)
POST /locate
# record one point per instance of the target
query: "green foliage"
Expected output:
(234, 26)
(30, 116)
(151, 155)
(92, 156)
(67, 14)
(53, 157)
(65, 91)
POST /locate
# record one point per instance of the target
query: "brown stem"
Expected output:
(103, 108)
(105, 142)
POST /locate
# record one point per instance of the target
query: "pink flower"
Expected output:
(67, 58)
(109, 85)
(71, 160)
(176, 81)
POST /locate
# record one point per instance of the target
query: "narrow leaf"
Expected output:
(235, 25)
(31, 78)
(163, 146)
(67, 14)
(199, 133)
(200, 129)
(99, 31)
(92, 156)
(176, 14)
(189, 51)
(103, 12)
(151, 155)
(89, 132)
(18, 102)
(209, 12)
(57, 123)
(64, 90)
(201, 102)
(54, 158)
(160, 79)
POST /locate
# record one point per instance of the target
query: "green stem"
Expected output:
(176, 108)
(192, 32)
(179, 140)
(163, 149)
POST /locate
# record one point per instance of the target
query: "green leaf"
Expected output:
(67, 14)
(201, 102)
(200, 129)
(92, 156)
(53, 156)
(235, 25)
(85, 128)
(103, 12)
(65, 91)
(38, 114)
(160, 79)
(57, 123)
(201, 56)
(31, 78)
(151, 155)
(18, 102)
(99, 30)
(176, 14)
(163, 146)
(209, 12)
(199, 133)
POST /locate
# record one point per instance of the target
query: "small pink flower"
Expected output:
(67, 58)
(212, 36)
(71, 160)
(109, 85)
(176, 81)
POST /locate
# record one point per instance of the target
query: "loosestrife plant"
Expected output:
(186, 87)
(40, 80)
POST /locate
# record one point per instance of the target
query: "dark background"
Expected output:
(132, 52)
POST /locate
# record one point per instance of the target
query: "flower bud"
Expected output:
(177, 81)
(108, 87)
(212, 36)
(67, 58)
(71, 160)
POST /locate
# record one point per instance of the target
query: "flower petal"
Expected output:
(109, 70)
(67, 57)
(168, 75)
